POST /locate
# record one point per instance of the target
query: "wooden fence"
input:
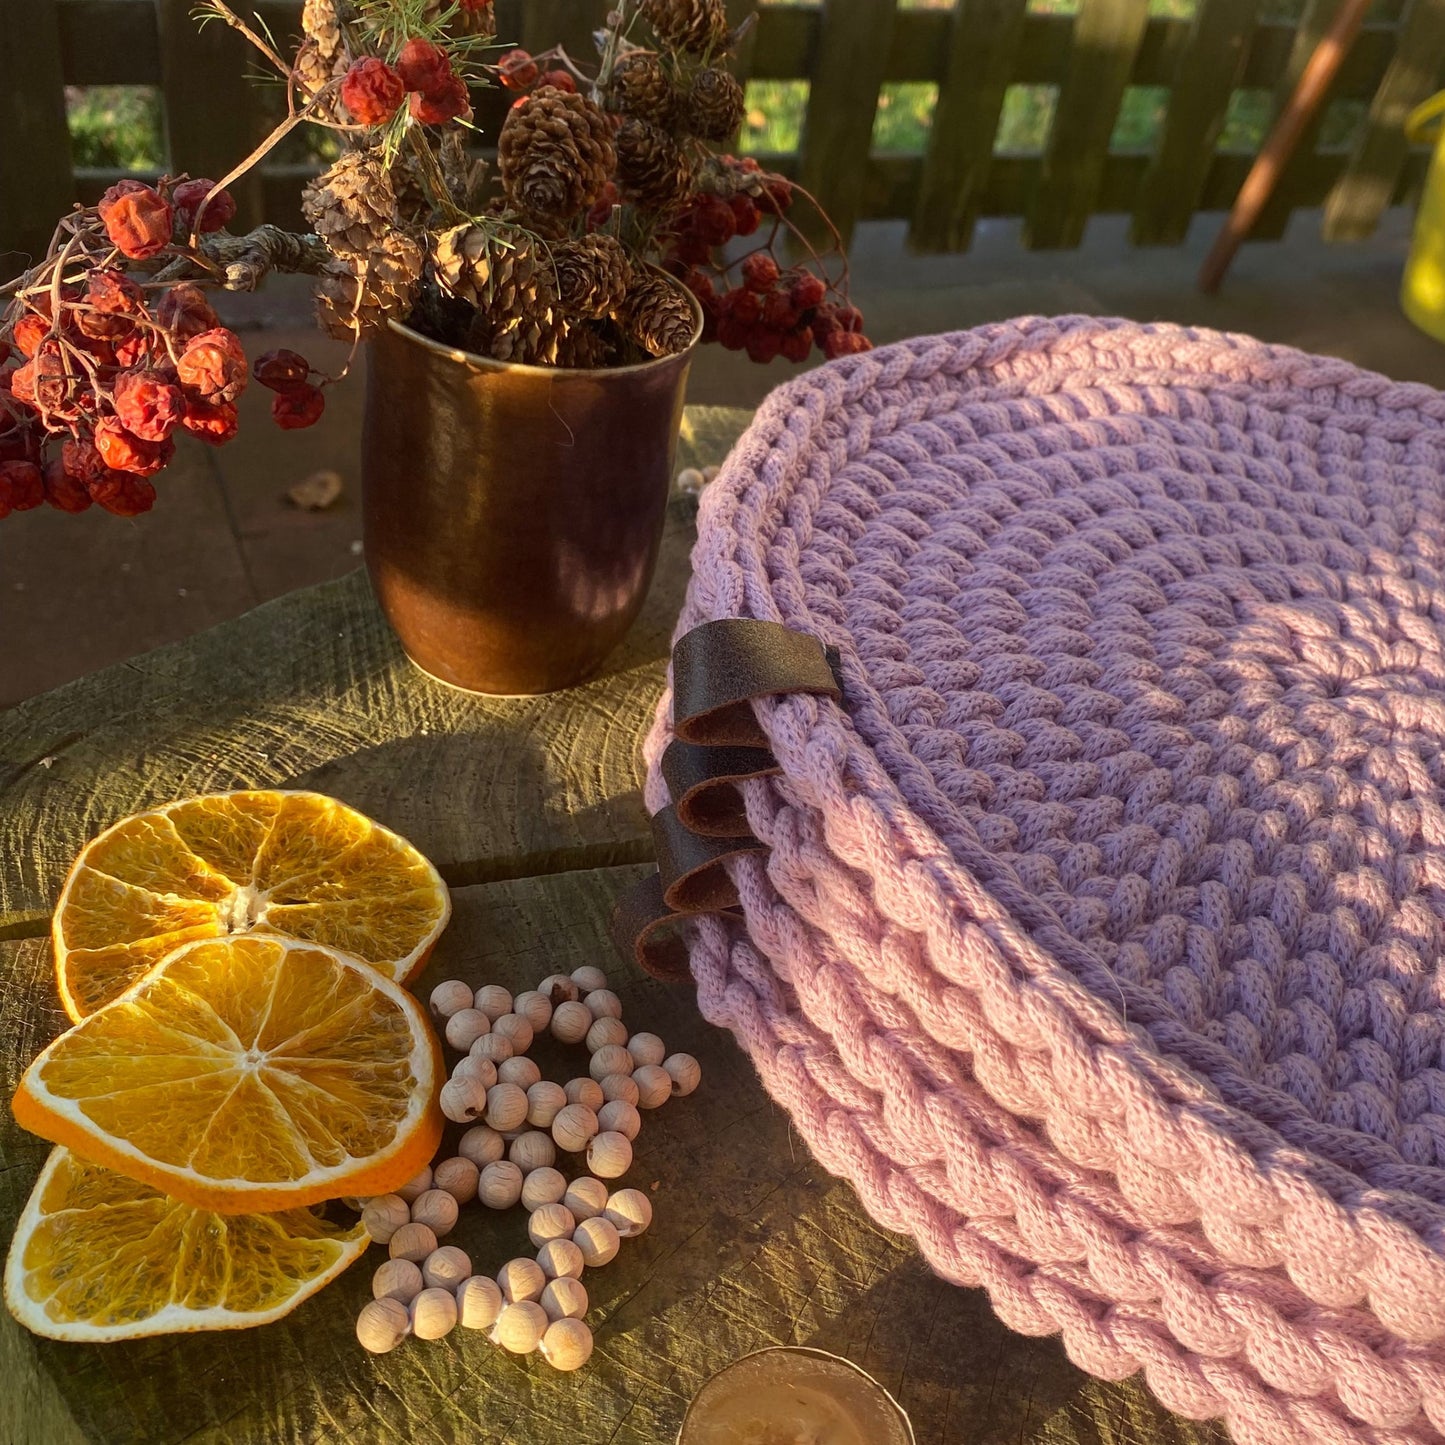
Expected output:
(847, 50)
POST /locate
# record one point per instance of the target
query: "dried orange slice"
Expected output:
(247, 1074)
(97, 1257)
(296, 864)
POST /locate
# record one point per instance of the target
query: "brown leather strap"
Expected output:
(643, 927)
(693, 877)
(704, 782)
(719, 667)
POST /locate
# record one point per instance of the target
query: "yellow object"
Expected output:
(247, 1074)
(95, 1257)
(1422, 292)
(295, 864)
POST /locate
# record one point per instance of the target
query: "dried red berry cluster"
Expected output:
(518, 71)
(373, 90)
(98, 374)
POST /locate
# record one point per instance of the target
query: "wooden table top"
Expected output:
(531, 808)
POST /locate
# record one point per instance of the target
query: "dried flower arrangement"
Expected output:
(605, 205)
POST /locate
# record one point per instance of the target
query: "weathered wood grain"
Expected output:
(313, 690)
(753, 1244)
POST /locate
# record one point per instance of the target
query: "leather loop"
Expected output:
(640, 924)
(719, 667)
(704, 782)
(691, 865)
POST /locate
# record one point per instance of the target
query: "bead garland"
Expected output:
(519, 1123)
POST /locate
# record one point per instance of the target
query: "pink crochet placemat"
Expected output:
(1097, 941)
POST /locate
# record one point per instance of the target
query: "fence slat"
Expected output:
(1208, 72)
(981, 54)
(1370, 178)
(568, 23)
(842, 102)
(1107, 34)
(36, 185)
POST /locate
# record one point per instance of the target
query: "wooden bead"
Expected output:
(570, 1022)
(384, 1215)
(545, 1100)
(602, 1003)
(506, 1107)
(620, 1117)
(382, 1325)
(598, 1240)
(520, 1327)
(446, 1268)
(620, 1086)
(466, 1027)
(609, 1155)
(567, 1345)
(437, 1210)
(479, 1302)
(654, 1086)
(412, 1241)
(564, 1299)
(464, 1100)
(450, 998)
(573, 1127)
(587, 1092)
(520, 1279)
(417, 1184)
(647, 1048)
(474, 1066)
(606, 1031)
(458, 1176)
(516, 1030)
(585, 1197)
(685, 1073)
(551, 1221)
(535, 1007)
(588, 979)
(500, 1185)
(481, 1145)
(629, 1211)
(493, 1000)
(532, 1150)
(542, 1186)
(610, 1059)
(558, 988)
(521, 1072)
(397, 1279)
(494, 1048)
(433, 1314)
(561, 1259)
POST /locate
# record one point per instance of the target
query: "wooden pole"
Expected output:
(1259, 184)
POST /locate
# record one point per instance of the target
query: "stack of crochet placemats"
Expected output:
(1097, 938)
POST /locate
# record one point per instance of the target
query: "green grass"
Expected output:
(116, 126)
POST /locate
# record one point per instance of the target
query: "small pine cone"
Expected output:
(641, 86)
(696, 25)
(658, 316)
(592, 275)
(322, 56)
(412, 205)
(355, 297)
(352, 205)
(715, 105)
(587, 347)
(554, 154)
(500, 272)
(653, 171)
(321, 23)
(464, 176)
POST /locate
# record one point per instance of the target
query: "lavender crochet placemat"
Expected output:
(1097, 941)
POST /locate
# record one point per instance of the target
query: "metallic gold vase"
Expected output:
(513, 514)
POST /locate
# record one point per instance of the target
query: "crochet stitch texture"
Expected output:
(1098, 940)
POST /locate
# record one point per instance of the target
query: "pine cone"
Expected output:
(653, 171)
(592, 275)
(352, 205)
(322, 56)
(501, 273)
(587, 346)
(715, 105)
(658, 315)
(641, 86)
(696, 25)
(412, 205)
(355, 296)
(554, 154)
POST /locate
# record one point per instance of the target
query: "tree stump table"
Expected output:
(531, 808)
